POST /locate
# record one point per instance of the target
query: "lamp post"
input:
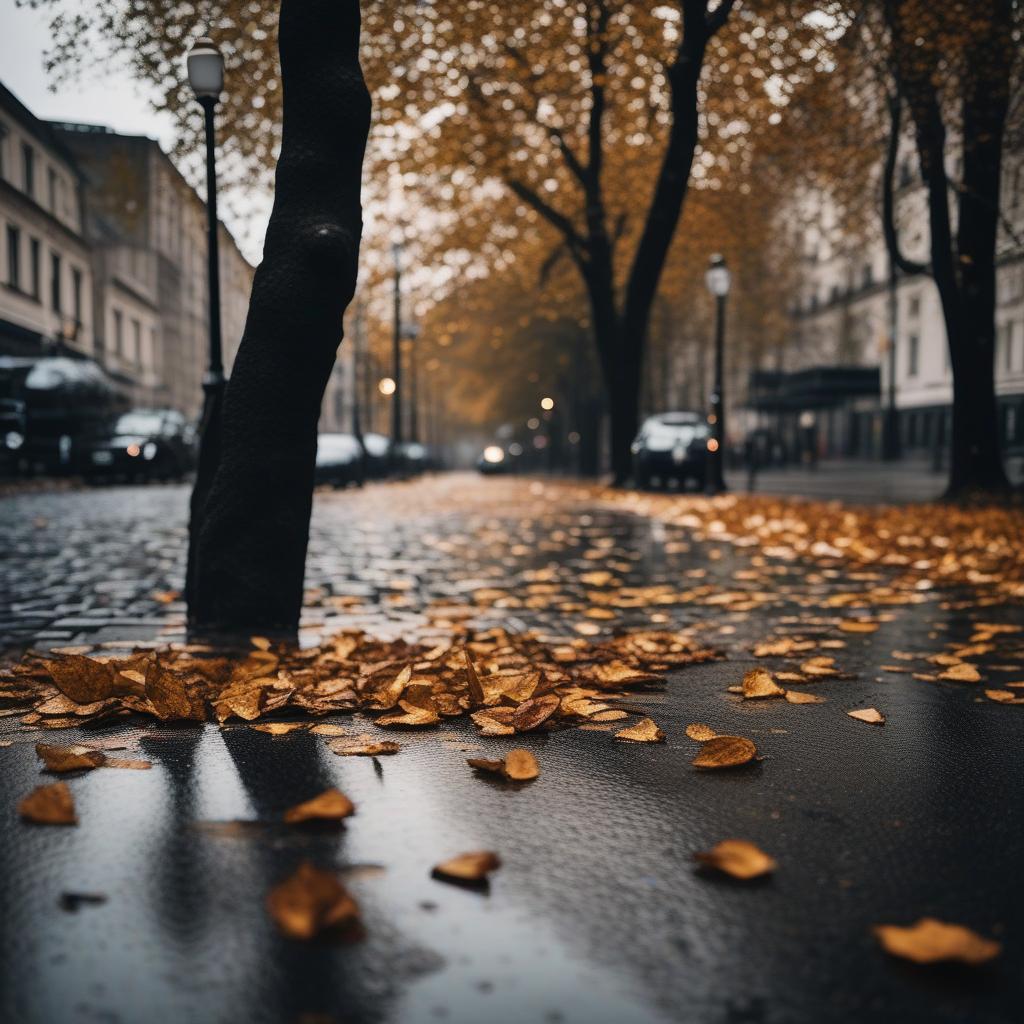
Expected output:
(206, 77)
(411, 333)
(717, 280)
(890, 423)
(396, 356)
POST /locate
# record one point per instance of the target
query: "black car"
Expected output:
(671, 446)
(145, 444)
(13, 427)
(493, 460)
(339, 460)
(378, 456)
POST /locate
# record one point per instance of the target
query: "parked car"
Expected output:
(339, 460)
(12, 436)
(378, 456)
(413, 458)
(144, 444)
(493, 460)
(671, 446)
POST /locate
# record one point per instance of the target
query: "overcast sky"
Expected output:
(111, 97)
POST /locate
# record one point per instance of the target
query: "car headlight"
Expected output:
(635, 447)
(14, 440)
(133, 450)
(149, 451)
(493, 454)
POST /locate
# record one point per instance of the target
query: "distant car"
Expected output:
(13, 427)
(339, 460)
(671, 446)
(144, 444)
(378, 455)
(494, 459)
(413, 458)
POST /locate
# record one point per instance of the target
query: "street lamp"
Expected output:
(396, 353)
(386, 386)
(717, 280)
(547, 404)
(206, 76)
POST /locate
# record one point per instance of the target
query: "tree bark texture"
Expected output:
(250, 541)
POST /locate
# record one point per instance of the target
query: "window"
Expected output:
(55, 290)
(13, 256)
(868, 276)
(914, 306)
(137, 341)
(3, 150)
(28, 169)
(52, 183)
(912, 354)
(34, 253)
(76, 293)
(118, 332)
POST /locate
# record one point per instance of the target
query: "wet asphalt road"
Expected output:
(597, 913)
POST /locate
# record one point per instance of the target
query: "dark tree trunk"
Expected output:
(250, 541)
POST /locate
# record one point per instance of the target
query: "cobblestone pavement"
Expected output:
(597, 914)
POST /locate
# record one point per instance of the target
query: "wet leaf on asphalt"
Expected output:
(961, 672)
(759, 683)
(533, 713)
(364, 746)
(280, 728)
(644, 731)
(870, 715)
(83, 679)
(516, 765)
(820, 666)
(725, 752)
(738, 858)
(930, 941)
(330, 805)
(799, 697)
(309, 902)
(495, 721)
(69, 759)
(858, 626)
(49, 805)
(700, 732)
(472, 868)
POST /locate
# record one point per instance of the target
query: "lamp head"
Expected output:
(205, 69)
(718, 277)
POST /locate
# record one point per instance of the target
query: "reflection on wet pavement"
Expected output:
(597, 913)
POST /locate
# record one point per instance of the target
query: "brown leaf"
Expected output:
(280, 728)
(819, 667)
(494, 721)
(174, 695)
(476, 690)
(412, 716)
(1002, 696)
(858, 626)
(644, 731)
(521, 766)
(799, 697)
(330, 805)
(533, 713)
(725, 752)
(930, 941)
(82, 679)
(870, 715)
(758, 683)
(69, 759)
(961, 672)
(468, 867)
(738, 858)
(49, 805)
(483, 764)
(309, 902)
(385, 697)
(133, 764)
(700, 732)
(364, 746)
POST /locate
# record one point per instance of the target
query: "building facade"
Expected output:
(851, 315)
(46, 278)
(147, 229)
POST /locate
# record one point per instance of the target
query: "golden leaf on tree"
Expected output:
(870, 715)
(930, 941)
(738, 858)
(472, 868)
(309, 902)
(49, 805)
(759, 683)
(644, 731)
(330, 805)
(725, 752)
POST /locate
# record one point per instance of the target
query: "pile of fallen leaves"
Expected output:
(507, 684)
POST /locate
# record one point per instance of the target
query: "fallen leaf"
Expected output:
(930, 941)
(82, 679)
(961, 672)
(279, 728)
(412, 716)
(49, 805)
(725, 752)
(533, 713)
(759, 683)
(330, 805)
(69, 759)
(364, 746)
(1002, 696)
(738, 858)
(870, 715)
(821, 666)
(472, 868)
(799, 697)
(521, 766)
(700, 732)
(309, 902)
(133, 764)
(644, 731)
(858, 626)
